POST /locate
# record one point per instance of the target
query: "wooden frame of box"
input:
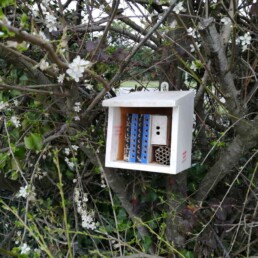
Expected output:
(170, 117)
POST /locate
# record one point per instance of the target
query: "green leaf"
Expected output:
(5, 3)
(147, 243)
(187, 254)
(3, 158)
(33, 142)
(23, 79)
(122, 214)
(14, 175)
(24, 18)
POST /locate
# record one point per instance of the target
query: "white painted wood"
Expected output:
(174, 141)
(181, 103)
(184, 134)
(150, 167)
(147, 99)
(113, 133)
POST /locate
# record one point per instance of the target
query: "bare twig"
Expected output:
(134, 37)
(114, 10)
(30, 90)
(129, 57)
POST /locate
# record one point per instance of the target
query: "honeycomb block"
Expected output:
(162, 155)
(133, 138)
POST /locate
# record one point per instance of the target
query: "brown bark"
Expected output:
(176, 193)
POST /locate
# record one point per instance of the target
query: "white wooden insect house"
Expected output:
(150, 131)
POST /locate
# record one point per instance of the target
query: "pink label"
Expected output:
(117, 129)
(184, 156)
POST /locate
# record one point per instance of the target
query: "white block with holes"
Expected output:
(169, 131)
(159, 130)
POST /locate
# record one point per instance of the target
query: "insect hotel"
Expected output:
(150, 131)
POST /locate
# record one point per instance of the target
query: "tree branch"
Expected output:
(134, 37)
(23, 35)
(138, 28)
(114, 10)
(24, 88)
(25, 63)
(211, 40)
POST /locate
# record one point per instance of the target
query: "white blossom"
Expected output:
(60, 78)
(225, 20)
(103, 184)
(193, 48)
(245, 40)
(77, 118)
(103, 181)
(193, 66)
(23, 192)
(116, 245)
(87, 221)
(12, 44)
(89, 86)
(16, 102)
(67, 151)
(75, 147)
(192, 32)
(76, 194)
(77, 67)
(102, 7)
(27, 191)
(70, 164)
(179, 8)
(173, 24)
(35, 11)
(51, 22)
(16, 122)
(43, 65)
(25, 248)
(3, 105)
(81, 200)
(77, 107)
(85, 198)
